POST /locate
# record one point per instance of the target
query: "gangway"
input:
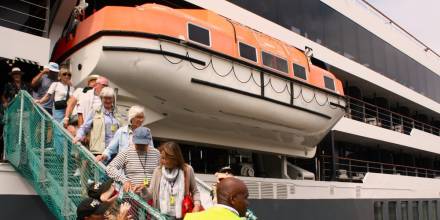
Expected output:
(42, 151)
(31, 139)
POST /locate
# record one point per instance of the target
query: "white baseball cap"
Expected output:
(52, 66)
(15, 70)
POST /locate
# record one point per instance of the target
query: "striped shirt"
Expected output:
(131, 165)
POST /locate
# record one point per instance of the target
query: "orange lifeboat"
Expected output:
(206, 79)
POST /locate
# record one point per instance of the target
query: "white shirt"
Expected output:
(60, 91)
(87, 102)
(76, 94)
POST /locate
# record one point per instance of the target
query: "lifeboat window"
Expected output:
(275, 62)
(199, 34)
(299, 71)
(329, 83)
(247, 51)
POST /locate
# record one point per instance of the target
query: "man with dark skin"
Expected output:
(232, 199)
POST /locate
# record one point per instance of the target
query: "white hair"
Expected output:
(107, 92)
(133, 111)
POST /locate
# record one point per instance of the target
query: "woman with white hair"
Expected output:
(102, 123)
(124, 136)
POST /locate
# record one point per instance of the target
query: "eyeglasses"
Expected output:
(67, 74)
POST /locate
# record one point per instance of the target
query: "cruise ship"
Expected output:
(326, 109)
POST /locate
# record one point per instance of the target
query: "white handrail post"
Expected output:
(65, 176)
(42, 142)
(20, 131)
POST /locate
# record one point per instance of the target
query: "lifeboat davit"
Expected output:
(206, 79)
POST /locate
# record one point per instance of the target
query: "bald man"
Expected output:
(232, 199)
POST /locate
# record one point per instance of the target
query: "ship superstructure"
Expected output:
(380, 161)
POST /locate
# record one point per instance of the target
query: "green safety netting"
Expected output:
(43, 152)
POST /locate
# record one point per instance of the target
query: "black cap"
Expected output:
(95, 189)
(90, 207)
(226, 169)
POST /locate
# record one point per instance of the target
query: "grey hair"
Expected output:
(133, 111)
(107, 92)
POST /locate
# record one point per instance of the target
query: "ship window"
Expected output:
(415, 207)
(425, 210)
(199, 34)
(329, 83)
(274, 62)
(392, 211)
(299, 71)
(434, 214)
(378, 210)
(404, 210)
(247, 52)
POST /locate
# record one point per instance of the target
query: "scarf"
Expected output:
(172, 183)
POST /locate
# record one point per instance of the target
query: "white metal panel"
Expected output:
(12, 183)
(375, 185)
(19, 44)
(417, 139)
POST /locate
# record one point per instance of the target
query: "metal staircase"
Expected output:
(43, 153)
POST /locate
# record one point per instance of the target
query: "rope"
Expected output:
(254, 80)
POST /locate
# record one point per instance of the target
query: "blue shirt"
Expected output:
(121, 141)
(39, 92)
(109, 121)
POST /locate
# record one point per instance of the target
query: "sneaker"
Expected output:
(77, 172)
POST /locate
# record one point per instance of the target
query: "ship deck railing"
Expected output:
(374, 115)
(353, 170)
(26, 16)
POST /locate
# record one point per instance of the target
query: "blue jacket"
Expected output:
(120, 141)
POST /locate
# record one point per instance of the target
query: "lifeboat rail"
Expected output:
(42, 151)
(371, 114)
(353, 170)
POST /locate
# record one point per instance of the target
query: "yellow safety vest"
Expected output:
(214, 213)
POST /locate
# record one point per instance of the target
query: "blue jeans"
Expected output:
(59, 142)
(58, 114)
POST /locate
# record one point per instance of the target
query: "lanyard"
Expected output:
(174, 181)
(143, 164)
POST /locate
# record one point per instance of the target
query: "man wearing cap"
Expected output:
(86, 103)
(224, 172)
(91, 82)
(134, 166)
(12, 88)
(103, 191)
(91, 208)
(41, 83)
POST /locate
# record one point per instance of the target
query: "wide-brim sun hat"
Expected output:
(92, 77)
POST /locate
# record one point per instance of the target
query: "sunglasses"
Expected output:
(67, 74)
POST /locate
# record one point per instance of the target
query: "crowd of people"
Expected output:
(160, 176)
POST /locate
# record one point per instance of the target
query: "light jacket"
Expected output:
(213, 213)
(95, 123)
(155, 185)
(120, 141)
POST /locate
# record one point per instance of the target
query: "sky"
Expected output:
(421, 18)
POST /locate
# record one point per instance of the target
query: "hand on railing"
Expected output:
(124, 212)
